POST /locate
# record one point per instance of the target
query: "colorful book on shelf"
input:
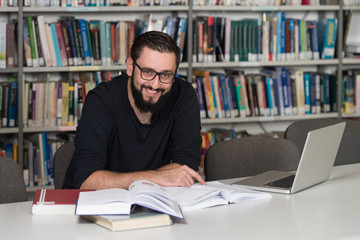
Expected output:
(13, 104)
(328, 51)
(85, 41)
(33, 44)
(140, 218)
(10, 45)
(2, 44)
(61, 43)
(55, 201)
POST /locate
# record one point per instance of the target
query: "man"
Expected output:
(143, 125)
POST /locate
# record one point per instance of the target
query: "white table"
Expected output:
(330, 210)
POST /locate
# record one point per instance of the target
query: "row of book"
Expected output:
(77, 42)
(255, 3)
(59, 103)
(272, 38)
(102, 3)
(38, 165)
(273, 92)
(351, 2)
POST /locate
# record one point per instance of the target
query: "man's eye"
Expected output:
(148, 72)
(165, 75)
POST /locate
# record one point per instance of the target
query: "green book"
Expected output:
(32, 41)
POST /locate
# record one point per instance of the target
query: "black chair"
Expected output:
(12, 185)
(62, 160)
(349, 149)
(249, 156)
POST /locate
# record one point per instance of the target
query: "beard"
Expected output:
(143, 105)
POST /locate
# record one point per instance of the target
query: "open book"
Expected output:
(212, 194)
(119, 201)
(169, 200)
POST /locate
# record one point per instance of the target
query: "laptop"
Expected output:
(316, 162)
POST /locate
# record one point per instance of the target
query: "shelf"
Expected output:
(114, 9)
(9, 9)
(9, 70)
(50, 129)
(266, 64)
(33, 189)
(208, 121)
(267, 8)
(9, 130)
(352, 8)
(351, 61)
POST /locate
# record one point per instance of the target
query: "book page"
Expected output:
(153, 196)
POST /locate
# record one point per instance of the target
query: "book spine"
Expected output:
(56, 45)
(10, 45)
(85, 41)
(12, 115)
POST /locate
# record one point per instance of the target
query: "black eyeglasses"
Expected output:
(149, 75)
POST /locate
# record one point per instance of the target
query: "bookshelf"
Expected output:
(188, 66)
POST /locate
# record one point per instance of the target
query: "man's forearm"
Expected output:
(104, 179)
(171, 175)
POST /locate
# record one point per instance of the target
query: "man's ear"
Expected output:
(129, 66)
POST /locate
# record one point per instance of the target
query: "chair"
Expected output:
(62, 160)
(249, 156)
(349, 149)
(12, 185)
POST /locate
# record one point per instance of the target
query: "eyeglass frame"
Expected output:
(156, 74)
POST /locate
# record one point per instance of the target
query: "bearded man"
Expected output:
(142, 125)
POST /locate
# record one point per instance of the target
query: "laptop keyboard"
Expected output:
(285, 182)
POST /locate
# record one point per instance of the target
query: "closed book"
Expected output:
(61, 43)
(10, 45)
(141, 218)
(55, 201)
(13, 103)
(85, 41)
(44, 41)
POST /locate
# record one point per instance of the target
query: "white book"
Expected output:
(2, 44)
(44, 41)
(51, 45)
(227, 38)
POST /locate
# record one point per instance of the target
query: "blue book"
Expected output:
(85, 41)
(307, 93)
(56, 44)
(286, 93)
(108, 43)
(201, 98)
(314, 41)
(46, 164)
(12, 104)
(231, 83)
(181, 35)
(225, 95)
(269, 94)
(217, 105)
(103, 42)
(330, 38)
(72, 44)
(283, 37)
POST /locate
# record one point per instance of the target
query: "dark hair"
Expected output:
(157, 41)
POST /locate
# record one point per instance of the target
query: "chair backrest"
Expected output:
(12, 185)
(349, 149)
(249, 156)
(62, 160)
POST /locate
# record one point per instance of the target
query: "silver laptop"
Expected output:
(316, 162)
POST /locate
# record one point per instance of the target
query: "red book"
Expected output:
(55, 201)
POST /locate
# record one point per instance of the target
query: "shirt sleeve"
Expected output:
(186, 139)
(93, 133)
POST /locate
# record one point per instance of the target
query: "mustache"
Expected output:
(150, 88)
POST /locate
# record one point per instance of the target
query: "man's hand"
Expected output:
(175, 175)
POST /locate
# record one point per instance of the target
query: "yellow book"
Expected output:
(65, 104)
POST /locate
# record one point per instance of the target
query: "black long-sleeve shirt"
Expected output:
(110, 136)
